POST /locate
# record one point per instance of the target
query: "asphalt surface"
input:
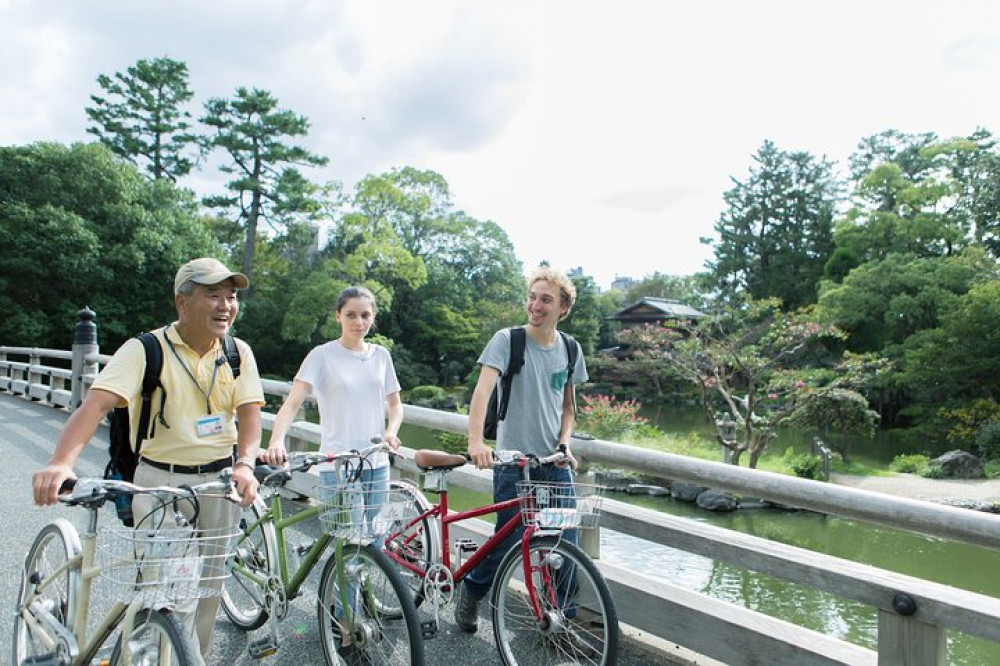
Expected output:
(28, 432)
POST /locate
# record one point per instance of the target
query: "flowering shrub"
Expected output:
(607, 417)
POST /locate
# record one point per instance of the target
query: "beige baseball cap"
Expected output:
(207, 271)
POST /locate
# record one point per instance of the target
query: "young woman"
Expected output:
(355, 386)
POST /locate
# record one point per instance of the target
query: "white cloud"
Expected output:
(600, 135)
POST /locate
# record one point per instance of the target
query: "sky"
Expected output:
(598, 135)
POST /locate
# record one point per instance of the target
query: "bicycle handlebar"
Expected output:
(91, 490)
(302, 461)
(517, 457)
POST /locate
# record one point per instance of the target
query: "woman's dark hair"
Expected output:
(357, 292)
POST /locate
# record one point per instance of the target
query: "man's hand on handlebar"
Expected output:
(246, 484)
(480, 455)
(47, 482)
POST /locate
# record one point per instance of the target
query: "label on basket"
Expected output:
(181, 570)
(558, 518)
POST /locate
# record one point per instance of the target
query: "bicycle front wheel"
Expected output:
(157, 639)
(254, 561)
(54, 595)
(555, 608)
(366, 613)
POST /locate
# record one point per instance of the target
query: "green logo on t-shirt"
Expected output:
(558, 380)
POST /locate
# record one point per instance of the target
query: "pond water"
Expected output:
(960, 565)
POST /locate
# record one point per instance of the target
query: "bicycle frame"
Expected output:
(82, 649)
(291, 581)
(439, 513)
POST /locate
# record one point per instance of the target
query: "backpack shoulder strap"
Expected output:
(571, 352)
(232, 353)
(514, 365)
(150, 382)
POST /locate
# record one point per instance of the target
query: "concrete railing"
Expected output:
(914, 615)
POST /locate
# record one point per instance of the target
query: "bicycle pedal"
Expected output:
(429, 628)
(265, 647)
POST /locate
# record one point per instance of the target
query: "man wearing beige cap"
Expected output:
(193, 432)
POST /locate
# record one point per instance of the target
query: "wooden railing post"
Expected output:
(84, 344)
(906, 641)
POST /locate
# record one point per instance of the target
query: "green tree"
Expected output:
(266, 185)
(740, 361)
(140, 116)
(80, 227)
(584, 320)
(776, 235)
(882, 303)
(841, 412)
(959, 361)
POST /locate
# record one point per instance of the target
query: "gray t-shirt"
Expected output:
(534, 413)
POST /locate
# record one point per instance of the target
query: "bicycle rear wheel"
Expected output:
(56, 544)
(255, 557)
(157, 639)
(557, 611)
(379, 624)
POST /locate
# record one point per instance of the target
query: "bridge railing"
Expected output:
(914, 615)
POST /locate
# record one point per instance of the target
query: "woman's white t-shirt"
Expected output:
(350, 389)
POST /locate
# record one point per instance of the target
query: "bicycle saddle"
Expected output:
(427, 459)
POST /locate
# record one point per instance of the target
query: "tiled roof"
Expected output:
(654, 309)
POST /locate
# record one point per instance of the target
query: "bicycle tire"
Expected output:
(421, 539)
(243, 599)
(579, 623)
(151, 632)
(392, 638)
(56, 543)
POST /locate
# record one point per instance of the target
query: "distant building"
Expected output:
(655, 310)
(622, 283)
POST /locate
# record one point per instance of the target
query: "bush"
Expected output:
(607, 417)
(433, 397)
(807, 466)
(934, 472)
(910, 464)
(988, 440)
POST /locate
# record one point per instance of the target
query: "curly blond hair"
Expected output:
(567, 290)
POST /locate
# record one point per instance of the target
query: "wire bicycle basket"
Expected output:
(553, 505)
(353, 512)
(164, 566)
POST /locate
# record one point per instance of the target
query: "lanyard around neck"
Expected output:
(215, 373)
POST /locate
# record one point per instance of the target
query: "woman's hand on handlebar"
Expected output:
(275, 454)
(392, 441)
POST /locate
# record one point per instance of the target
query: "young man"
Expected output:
(540, 414)
(195, 435)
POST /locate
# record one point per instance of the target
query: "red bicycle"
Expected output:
(550, 604)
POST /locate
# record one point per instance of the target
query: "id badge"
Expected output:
(207, 426)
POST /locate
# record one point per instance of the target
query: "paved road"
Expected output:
(28, 432)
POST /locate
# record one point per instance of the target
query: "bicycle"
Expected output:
(365, 610)
(547, 592)
(150, 571)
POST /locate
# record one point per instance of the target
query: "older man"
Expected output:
(195, 434)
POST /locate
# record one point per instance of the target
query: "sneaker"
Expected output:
(466, 611)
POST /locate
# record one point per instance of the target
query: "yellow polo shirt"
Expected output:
(180, 444)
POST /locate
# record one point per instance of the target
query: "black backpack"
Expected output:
(125, 457)
(496, 411)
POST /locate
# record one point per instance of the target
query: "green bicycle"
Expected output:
(366, 613)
